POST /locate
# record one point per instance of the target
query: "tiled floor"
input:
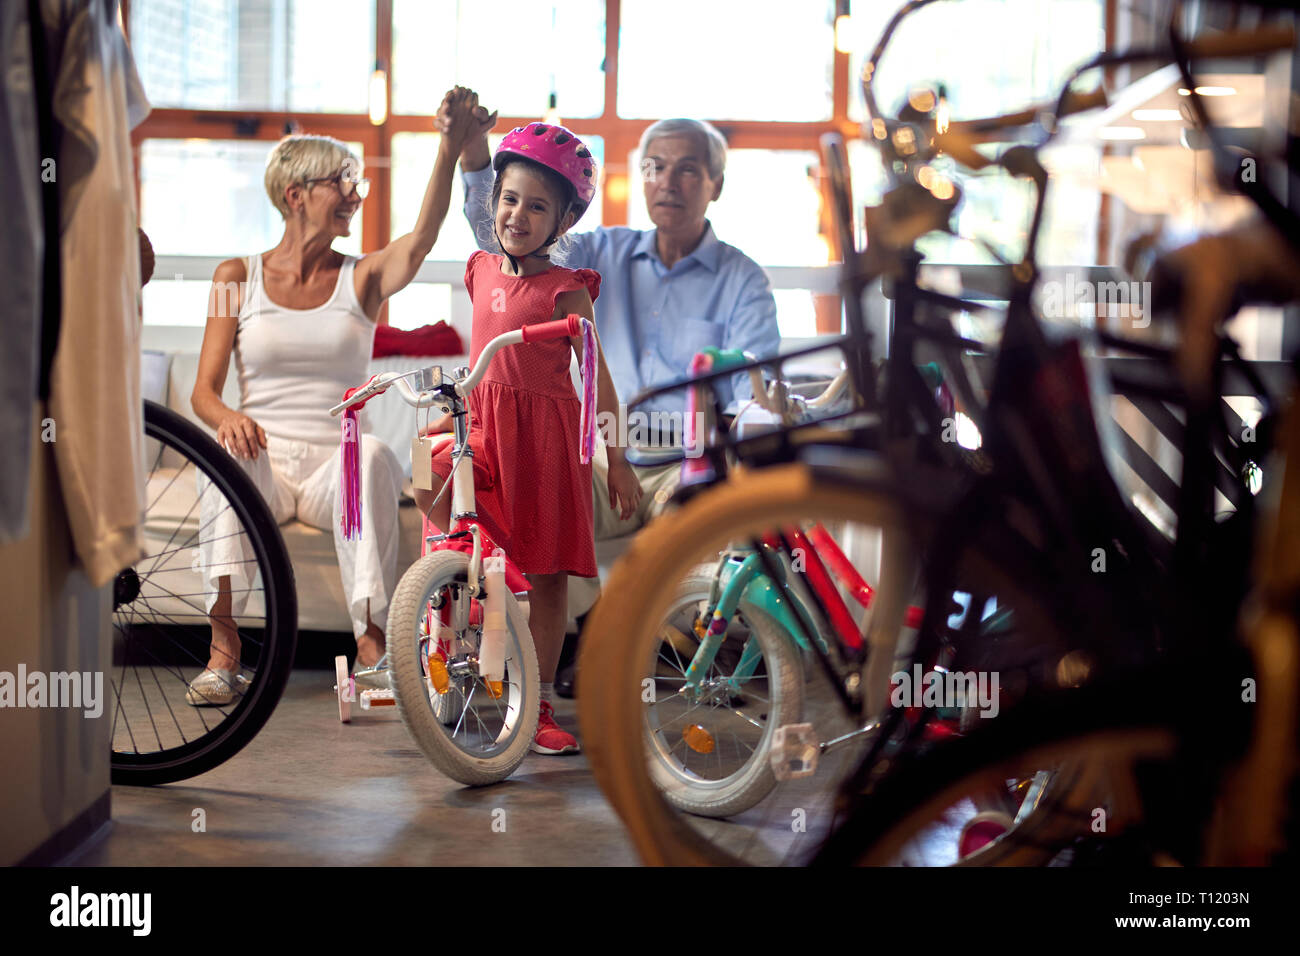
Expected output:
(309, 791)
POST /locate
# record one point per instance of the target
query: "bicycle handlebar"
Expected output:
(382, 383)
(568, 326)
(561, 328)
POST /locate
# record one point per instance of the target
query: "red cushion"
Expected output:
(439, 339)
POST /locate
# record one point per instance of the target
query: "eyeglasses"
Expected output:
(347, 182)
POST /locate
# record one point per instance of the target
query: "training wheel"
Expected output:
(343, 688)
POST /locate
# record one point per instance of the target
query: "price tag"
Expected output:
(422, 463)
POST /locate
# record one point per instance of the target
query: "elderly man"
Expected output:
(667, 292)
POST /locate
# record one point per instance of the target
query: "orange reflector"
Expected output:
(698, 739)
(494, 688)
(438, 672)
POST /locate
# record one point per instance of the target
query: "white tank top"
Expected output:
(294, 364)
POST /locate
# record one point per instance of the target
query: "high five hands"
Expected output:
(461, 119)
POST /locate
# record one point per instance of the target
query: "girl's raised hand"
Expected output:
(460, 117)
(442, 119)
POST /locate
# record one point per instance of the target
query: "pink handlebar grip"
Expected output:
(561, 328)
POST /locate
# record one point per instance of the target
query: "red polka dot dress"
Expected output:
(532, 493)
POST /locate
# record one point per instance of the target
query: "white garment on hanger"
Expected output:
(95, 384)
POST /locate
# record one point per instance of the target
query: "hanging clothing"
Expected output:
(22, 249)
(95, 398)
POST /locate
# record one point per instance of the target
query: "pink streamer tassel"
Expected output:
(701, 364)
(587, 432)
(350, 477)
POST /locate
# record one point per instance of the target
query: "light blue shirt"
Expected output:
(652, 320)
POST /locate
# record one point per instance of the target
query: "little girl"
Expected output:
(534, 496)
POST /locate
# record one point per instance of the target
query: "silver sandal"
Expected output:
(216, 688)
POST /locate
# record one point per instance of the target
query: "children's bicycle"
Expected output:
(728, 674)
(461, 666)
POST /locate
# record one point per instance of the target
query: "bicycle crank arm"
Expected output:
(837, 742)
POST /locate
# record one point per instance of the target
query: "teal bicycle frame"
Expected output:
(741, 582)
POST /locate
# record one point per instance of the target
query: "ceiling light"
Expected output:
(1209, 91)
(379, 95)
(843, 38)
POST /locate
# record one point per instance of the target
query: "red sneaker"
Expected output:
(550, 737)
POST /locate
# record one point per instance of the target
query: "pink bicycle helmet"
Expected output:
(557, 149)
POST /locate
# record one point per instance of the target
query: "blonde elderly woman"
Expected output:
(300, 325)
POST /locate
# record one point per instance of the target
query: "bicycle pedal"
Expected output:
(698, 739)
(438, 675)
(376, 697)
(794, 751)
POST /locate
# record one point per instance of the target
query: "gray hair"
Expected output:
(713, 140)
(295, 159)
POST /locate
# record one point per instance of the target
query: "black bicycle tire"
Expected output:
(281, 634)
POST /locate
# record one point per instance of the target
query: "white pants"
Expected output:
(301, 480)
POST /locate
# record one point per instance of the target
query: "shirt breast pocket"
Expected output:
(681, 340)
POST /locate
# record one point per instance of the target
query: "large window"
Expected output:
(228, 76)
(727, 59)
(312, 56)
(515, 53)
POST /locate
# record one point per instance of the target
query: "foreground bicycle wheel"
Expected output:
(203, 516)
(625, 631)
(474, 733)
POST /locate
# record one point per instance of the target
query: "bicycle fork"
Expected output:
(739, 580)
